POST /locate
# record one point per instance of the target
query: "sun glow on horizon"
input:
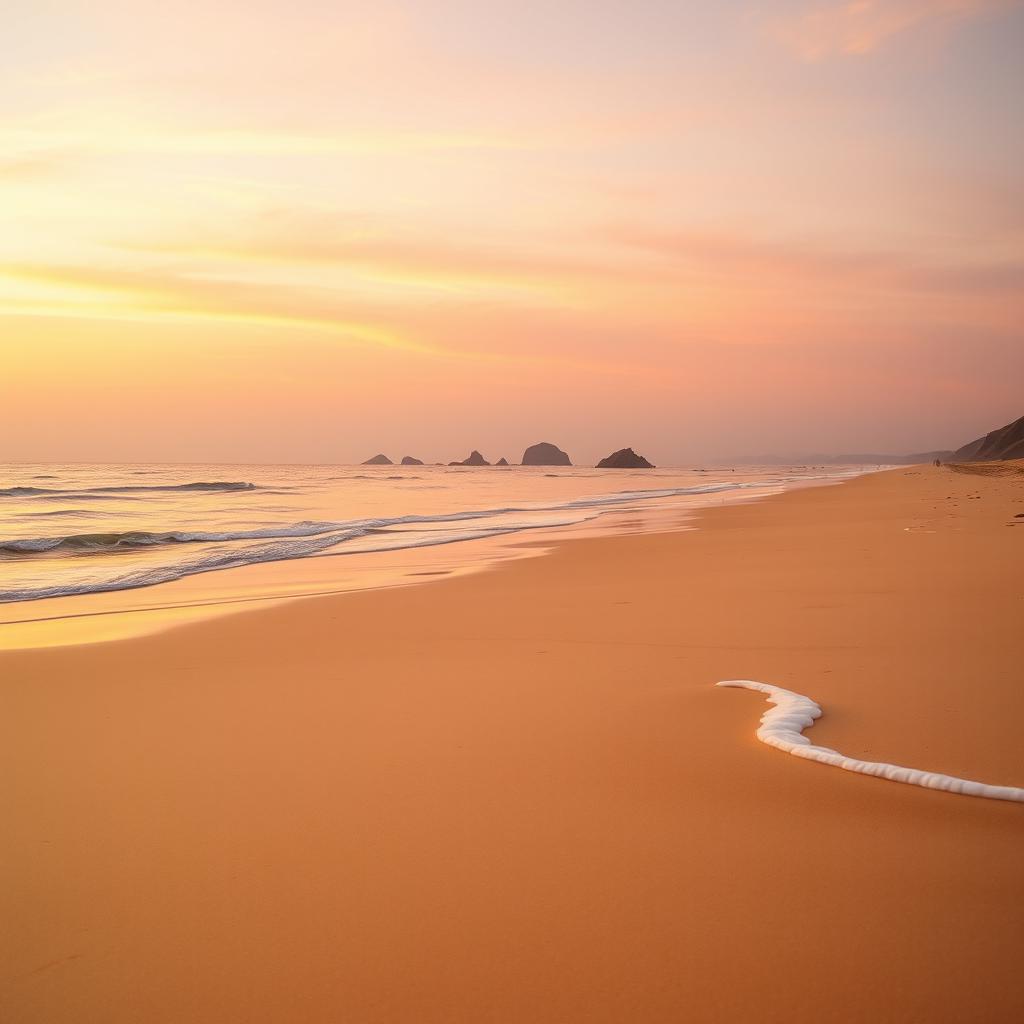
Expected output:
(603, 222)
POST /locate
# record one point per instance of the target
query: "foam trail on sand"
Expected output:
(782, 726)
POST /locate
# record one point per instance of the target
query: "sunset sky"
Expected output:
(317, 229)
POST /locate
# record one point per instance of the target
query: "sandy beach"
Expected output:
(518, 796)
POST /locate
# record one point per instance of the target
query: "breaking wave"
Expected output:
(199, 485)
(95, 560)
(281, 551)
(113, 541)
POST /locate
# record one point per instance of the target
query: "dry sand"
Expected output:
(517, 797)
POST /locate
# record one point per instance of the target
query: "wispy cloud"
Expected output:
(351, 250)
(161, 295)
(101, 134)
(516, 268)
(749, 258)
(858, 27)
(34, 165)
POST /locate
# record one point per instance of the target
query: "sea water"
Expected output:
(136, 534)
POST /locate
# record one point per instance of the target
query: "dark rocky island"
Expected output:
(625, 458)
(502, 461)
(378, 460)
(408, 460)
(545, 454)
(475, 459)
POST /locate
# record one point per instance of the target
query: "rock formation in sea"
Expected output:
(475, 459)
(625, 458)
(408, 460)
(378, 460)
(502, 461)
(545, 454)
(1005, 443)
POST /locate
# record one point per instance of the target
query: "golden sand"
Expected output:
(517, 796)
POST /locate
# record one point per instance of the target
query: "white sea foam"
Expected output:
(300, 547)
(125, 534)
(782, 726)
(306, 538)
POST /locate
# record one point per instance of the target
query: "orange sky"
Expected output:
(311, 231)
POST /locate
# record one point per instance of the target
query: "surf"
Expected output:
(782, 727)
(197, 485)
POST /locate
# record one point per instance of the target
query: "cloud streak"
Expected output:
(859, 27)
(746, 256)
(539, 270)
(159, 295)
(162, 296)
(36, 165)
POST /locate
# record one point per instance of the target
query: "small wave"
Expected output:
(279, 552)
(104, 542)
(297, 539)
(81, 496)
(200, 485)
(375, 476)
(783, 727)
(64, 512)
(37, 545)
(166, 574)
(108, 542)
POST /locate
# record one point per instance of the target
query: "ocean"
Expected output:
(169, 535)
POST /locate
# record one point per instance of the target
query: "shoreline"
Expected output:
(57, 621)
(517, 795)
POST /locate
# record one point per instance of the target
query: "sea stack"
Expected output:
(475, 459)
(545, 454)
(408, 460)
(625, 458)
(378, 460)
(502, 461)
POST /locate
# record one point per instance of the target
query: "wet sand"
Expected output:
(518, 797)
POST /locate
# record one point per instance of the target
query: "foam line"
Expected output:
(782, 726)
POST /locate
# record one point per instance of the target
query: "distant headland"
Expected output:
(1002, 443)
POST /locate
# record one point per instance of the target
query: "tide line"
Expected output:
(782, 726)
